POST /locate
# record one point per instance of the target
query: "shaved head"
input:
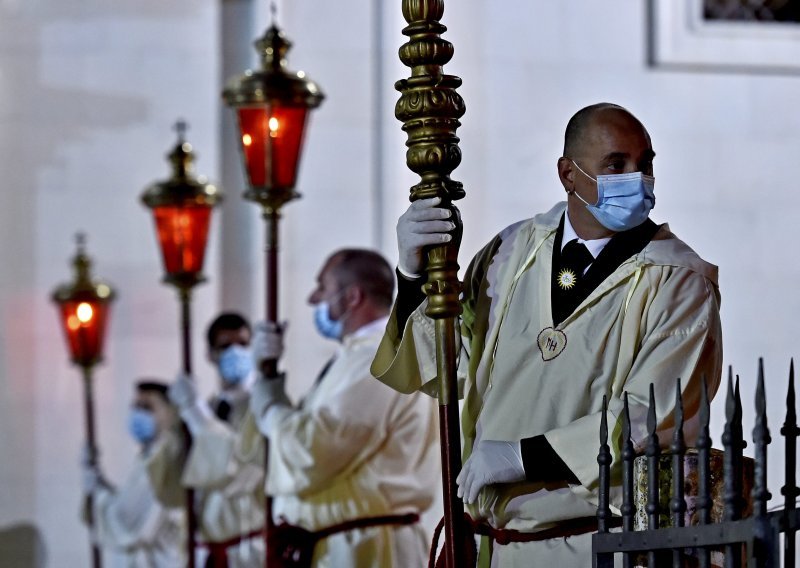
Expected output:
(578, 126)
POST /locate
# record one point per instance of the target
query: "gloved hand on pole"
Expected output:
(491, 462)
(423, 224)
(269, 403)
(194, 411)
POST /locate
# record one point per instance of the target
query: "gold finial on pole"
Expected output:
(429, 108)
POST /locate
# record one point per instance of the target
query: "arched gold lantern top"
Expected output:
(273, 83)
(183, 188)
(83, 286)
(84, 306)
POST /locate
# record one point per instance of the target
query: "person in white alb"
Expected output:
(354, 464)
(587, 300)
(129, 520)
(228, 504)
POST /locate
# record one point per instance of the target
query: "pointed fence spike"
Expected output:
(738, 399)
(678, 448)
(729, 446)
(761, 440)
(704, 457)
(738, 414)
(653, 452)
(730, 405)
(678, 407)
(790, 491)
(791, 409)
(604, 422)
(628, 456)
(651, 412)
(604, 461)
(704, 501)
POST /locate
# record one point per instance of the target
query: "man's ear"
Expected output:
(566, 173)
(354, 295)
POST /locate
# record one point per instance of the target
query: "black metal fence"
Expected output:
(747, 533)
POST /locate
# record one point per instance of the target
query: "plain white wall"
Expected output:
(88, 94)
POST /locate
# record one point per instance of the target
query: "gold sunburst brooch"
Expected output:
(567, 279)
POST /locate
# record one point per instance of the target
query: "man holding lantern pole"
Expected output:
(354, 464)
(229, 504)
(590, 299)
(129, 519)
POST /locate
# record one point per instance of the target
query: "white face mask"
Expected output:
(623, 200)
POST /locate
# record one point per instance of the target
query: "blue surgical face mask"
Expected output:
(142, 425)
(235, 364)
(326, 326)
(623, 200)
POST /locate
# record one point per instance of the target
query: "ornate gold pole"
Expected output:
(429, 108)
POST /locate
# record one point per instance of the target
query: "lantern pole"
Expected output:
(83, 305)
(272, 106)
(92, 457)
(185, 298)
(429, 108)
(184, 295)
(182, 209)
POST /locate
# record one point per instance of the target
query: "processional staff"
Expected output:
(271, 106)
(181, 208)
(429, 108)
(84, 305)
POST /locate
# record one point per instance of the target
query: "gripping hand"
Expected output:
(267, 342)
(491, 462)
(423, 224)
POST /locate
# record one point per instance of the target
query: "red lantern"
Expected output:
(271, 106)
(84, 306)
(182, 212)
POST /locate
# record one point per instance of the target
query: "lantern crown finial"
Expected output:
(182, 156)
(273, 47)
(183, 188)
(81, 262)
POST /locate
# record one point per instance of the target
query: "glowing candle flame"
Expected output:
(273, 127)
(84, 312)
(247, 140)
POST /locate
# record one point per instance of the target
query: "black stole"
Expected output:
(620, 248)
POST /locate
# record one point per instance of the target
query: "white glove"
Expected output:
(91, 478)
(491, 462)
(267, 342)
(183, 392)
(195, 412)
(268, 395)
(423, 224)
(267, 392)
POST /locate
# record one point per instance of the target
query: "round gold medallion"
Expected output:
(567, 279)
